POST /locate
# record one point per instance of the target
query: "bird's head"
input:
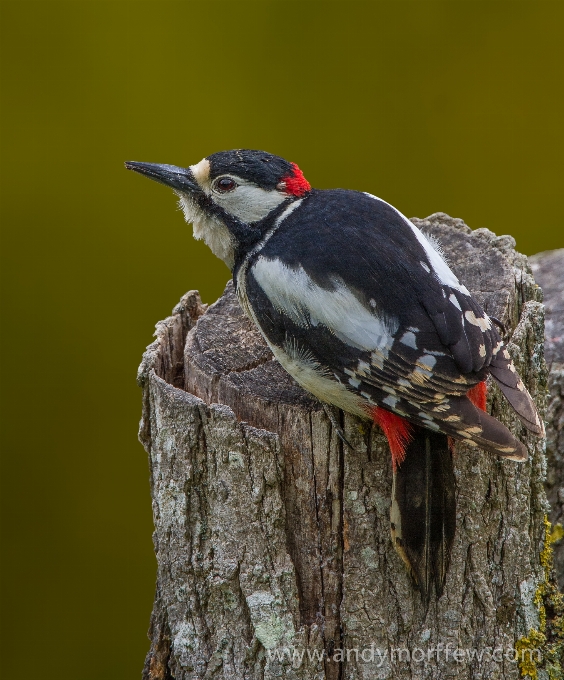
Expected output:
(228, 195)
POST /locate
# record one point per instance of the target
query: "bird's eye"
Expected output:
(225, 184)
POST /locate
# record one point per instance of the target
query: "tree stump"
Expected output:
(273, 538)
(548, 268)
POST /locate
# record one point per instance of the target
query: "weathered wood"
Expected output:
(548, 268)
(272, 536)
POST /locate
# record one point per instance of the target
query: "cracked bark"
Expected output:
(270, 537)
(548, 268)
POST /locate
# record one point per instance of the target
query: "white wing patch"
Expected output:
(483, 323)
(427, 361)
(390, 401)
(294, 293)
(409, 339)
(454, 301)
(440, 267)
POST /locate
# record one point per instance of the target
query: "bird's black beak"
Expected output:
(179, 179)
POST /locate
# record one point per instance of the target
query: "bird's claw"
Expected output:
(331, 412)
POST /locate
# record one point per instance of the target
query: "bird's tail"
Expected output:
(504, 373)
(423, 510)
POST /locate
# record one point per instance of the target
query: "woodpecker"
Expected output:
(362, 310)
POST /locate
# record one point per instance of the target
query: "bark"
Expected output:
(548, 268)
(273, 539)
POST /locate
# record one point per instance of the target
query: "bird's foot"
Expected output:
(332, 413)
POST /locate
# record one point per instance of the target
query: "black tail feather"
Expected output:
(423, 511)
(478, 428)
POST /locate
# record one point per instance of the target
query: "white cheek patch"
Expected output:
(440, 267)
(294, 293)
(248, 202)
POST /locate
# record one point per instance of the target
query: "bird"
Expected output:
(361, 308)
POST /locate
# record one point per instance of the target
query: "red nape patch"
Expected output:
(478, 394)
(296, 183)
(397, 431)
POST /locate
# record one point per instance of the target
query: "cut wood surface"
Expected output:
(273, 538)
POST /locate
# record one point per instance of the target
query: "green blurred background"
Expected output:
(453, 106)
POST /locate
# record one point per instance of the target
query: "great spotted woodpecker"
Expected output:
(360, 307)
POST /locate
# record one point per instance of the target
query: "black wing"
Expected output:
(374, 305)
